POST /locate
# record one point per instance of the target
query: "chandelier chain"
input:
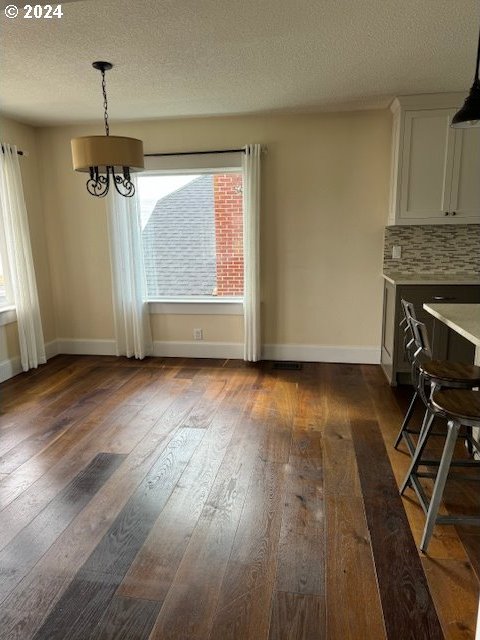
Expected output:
(105, 103)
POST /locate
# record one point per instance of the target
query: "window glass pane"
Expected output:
(192, 232)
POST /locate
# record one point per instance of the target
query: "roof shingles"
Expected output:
(179, 242)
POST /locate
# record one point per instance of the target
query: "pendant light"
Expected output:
(107, 158)
(469, 114)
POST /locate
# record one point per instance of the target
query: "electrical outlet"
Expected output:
(198, 334)
(396, 252)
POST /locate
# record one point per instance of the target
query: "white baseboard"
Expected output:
(201, 349)
(9, 368)
(198, 349)
(13, 366)
(299, 352)
(322, 353)
(51, 349)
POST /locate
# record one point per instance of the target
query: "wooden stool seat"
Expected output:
(458, 404)
(451, 372)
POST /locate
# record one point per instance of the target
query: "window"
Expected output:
(192, 233)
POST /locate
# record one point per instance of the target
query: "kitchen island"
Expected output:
(462, 318)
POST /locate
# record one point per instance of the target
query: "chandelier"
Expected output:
(107, 158)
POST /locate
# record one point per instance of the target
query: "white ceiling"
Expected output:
(206, 57)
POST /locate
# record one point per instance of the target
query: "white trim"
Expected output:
(232, 307)
(428, 101)
(202, 349)
(299, 352)
(322, 353)
(51, 349)
(11, 367)
(198, 349)
(78, 346)
(8, 314)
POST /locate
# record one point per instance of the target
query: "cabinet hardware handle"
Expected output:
(454, 213)
(446, 213)
(443, 298)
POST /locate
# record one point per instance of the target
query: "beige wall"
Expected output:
(25, 138)
(325, 195)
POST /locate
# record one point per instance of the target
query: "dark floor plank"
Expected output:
(353, 608)
(26, 607)
(247, 587)
(406, 601)
(212, 538)
(189, 607)
(301, 552)
(80, 608)
(126, 619)
(297, 617)
(22, 553)
(22, 416)
(110, 427)
(72, 407)
(119, 546)
(154, 568)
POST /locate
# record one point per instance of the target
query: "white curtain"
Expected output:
(19, 261)
(132, 322)
(251, 240)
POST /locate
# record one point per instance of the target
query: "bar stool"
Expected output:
(460, 407)
(436, 373)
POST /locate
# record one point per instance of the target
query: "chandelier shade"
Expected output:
(107, 151)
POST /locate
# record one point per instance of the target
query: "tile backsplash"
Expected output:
(433, 249)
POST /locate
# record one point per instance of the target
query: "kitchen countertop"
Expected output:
(462, 318)
(432, 278)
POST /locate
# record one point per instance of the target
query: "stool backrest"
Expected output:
(408, 337)
(408, 311)
(420, 336)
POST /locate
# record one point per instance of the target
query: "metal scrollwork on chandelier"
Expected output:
(108, 159)
(99, 185)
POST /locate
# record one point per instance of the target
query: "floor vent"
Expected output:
(288, 366)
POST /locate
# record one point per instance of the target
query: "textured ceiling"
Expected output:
(205, 57)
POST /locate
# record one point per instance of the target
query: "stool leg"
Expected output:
(468, 442)
(453, 428)
(406, 420)
(422, 441)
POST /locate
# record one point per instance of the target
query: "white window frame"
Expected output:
(194, 165)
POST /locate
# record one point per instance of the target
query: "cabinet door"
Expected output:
(465, 188)
(428, 153)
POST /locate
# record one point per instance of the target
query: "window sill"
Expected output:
(8, 314)
(197, 306)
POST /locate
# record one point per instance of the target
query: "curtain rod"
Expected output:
(19, 153)
(193, 153)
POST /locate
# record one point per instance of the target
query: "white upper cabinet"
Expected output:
(435, 169)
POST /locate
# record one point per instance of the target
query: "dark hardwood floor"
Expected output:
(193, 499)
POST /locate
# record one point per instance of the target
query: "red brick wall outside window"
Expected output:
(228, 201)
